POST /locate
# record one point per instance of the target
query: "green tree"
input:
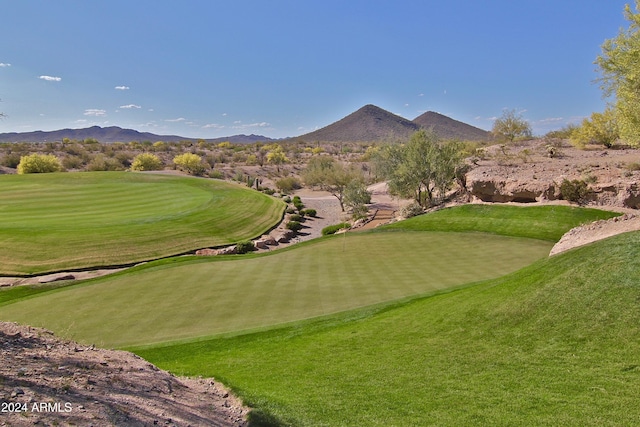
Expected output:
(39, 163)
(146, 162)
(511, 126)
(601, 128)
(619, 64)
(325, 173)
(357, 197)
(423, 169)
(190, 163)
(277, 157)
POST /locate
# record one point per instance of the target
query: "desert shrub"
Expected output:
(297, 199)
(39, 163)
(310, 212)
(288, 184)
(601, 128)
(576, 191)
(189, 163)
(124, 158)
(291, 210)
(244, 247)
(103, 163)
(216, 174)
(11, 160)
(72, 162)
(286, 199)
(633, 166)
(146, 162)
(269, 191)
(411, 210)
(296, 217)
(294, 225)
(332, 229)
(563, 133)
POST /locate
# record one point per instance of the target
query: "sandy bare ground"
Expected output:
(47, 381)
(595, 231)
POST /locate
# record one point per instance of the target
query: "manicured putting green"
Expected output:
(187, 299)
(74, 220)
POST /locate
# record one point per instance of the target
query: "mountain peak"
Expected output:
(368, 124)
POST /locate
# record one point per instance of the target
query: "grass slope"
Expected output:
(188, 298)
(76, 220)
(556, 343)
(548, 222)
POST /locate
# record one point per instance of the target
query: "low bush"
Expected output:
(244, 247)
(216, 174)
(296, 217)
(576, 191)
(39, 163)
(11, 160)
(310, 212)
(411, 210)
(294, 225)
(190, 163)
(288, 184)
(332, 229)
(146, 162)
(269, 191)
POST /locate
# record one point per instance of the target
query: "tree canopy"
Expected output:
(423, 169)
(619, 65)
(511, 126)
(327, 174)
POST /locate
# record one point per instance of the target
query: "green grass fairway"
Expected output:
(554, 344)
(186, 298)
(548, 222)
(52, 222)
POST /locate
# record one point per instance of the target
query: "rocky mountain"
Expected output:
(114, 134)
(448, 128)
(369, 123)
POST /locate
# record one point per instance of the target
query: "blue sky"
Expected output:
(281, 68)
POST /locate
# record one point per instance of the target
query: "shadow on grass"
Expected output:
(260, 418)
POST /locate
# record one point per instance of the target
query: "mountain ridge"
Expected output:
(371, 124)
(112, 134)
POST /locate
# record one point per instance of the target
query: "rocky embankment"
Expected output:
(47, 381)
(526, 173)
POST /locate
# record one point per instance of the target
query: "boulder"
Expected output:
(229, 250)
(283, 235)
(206, 252)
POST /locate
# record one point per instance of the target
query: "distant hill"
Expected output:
(368, 124)
(448, 128)
(114, 134)
(371, 123)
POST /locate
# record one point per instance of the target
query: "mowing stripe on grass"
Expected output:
(78, 220)
(553, 344)
(187, 300)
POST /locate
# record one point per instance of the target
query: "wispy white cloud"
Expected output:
(130, 106)
(253, 125)
(551, 120)
(179, 119)
(95, 112)
(4, 65)
(122, 88)
(50, 78)
(213, 126)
